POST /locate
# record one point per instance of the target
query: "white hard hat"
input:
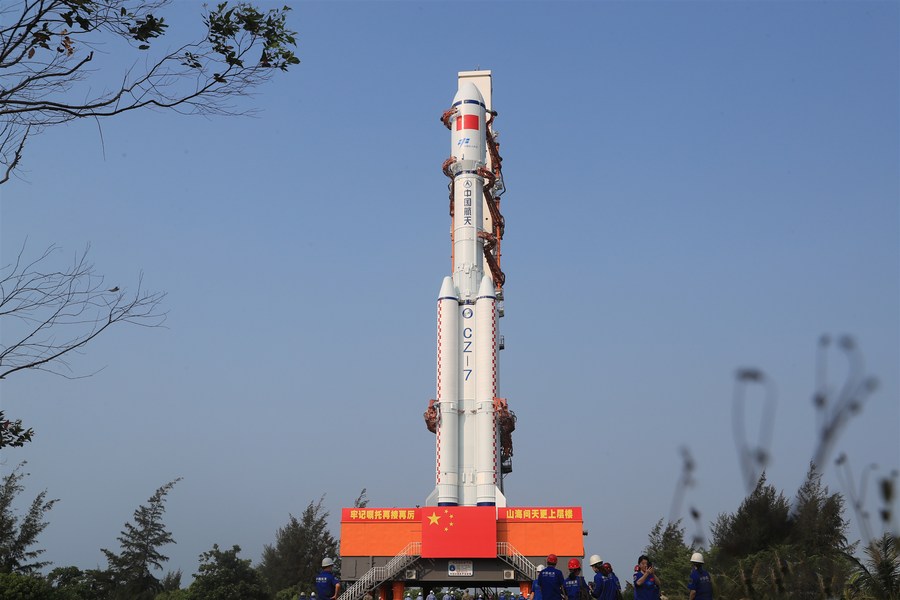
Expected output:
(696, 557)
(540, 567)
(327, 562)
(595, 560)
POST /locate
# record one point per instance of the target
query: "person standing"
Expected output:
(575, 584)
(606, 584)
(597, 584)
(328, 587)
(551, 581)
(612, 581)
(447, 595)
(535, 590)
(700, 583)
(430, 595)
(646, 582)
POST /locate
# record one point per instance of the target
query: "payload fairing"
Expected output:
(467, 416)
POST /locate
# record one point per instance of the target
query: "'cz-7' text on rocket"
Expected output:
(467, 416)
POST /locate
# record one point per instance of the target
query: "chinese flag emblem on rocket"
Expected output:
(459, 532)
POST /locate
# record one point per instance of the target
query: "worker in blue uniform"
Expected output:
(700, 583)
(551, 581)
(646, 582)
(535, 590)
(606, 585)
(575, 584)
(328, 587)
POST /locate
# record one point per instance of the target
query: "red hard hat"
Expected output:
(574, 563)
(551, 559)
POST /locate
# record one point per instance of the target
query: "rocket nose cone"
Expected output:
(468, 91)
(486, 289)
(448, 290)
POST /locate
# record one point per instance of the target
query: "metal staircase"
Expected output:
(378, 575)
(508, 554)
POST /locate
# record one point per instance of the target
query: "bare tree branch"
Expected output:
(48, 315)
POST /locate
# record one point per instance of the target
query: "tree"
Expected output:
(670, 557)
(879, 576)
(16, 586)
(72, 582)
(817, 522)
(47, 48)
(224, 576)
(299, 548)
(140, 542)
(49, 315)
(12, 433)
(762, 521)
(17, 537)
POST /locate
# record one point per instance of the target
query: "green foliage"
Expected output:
(818, 521)
(290, 593)
(19, 535)
(16, 586)
(296, 557)
(174, 595)
(762, 521)
(780, 572)
(140, 543)
(46, 47)
(879, 576)
(73, 583)
(172, 581)
(225, 24)
(766, 551)
(224, 576)
(670, 557)
(12, 433)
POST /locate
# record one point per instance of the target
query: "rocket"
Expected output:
(466, 416)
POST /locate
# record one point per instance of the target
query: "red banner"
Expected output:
(380, 514)
(459, 532)
(541, 513)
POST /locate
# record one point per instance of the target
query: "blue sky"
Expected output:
(693, 187)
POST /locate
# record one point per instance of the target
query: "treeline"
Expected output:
(135, 570)
(773, 549)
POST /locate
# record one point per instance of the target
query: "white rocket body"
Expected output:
(467, 442)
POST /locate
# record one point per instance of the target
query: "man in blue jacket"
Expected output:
(328, 587)
(551, 582)
(700, 583)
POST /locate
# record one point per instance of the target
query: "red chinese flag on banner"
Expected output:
(466, 122)
(459, 532)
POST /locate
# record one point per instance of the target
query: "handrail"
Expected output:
(377, 575)
(507, 552)
(412, 551)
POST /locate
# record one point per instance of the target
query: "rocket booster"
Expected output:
(467, 445)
